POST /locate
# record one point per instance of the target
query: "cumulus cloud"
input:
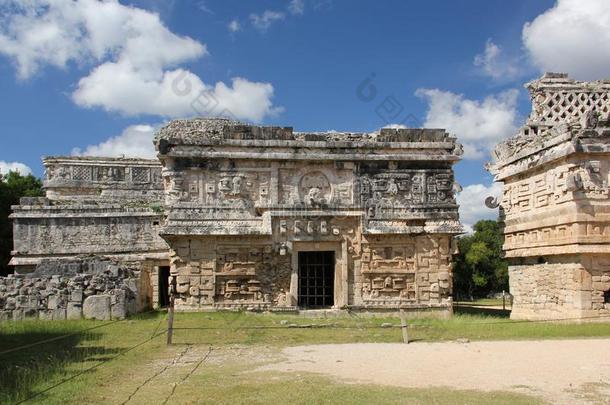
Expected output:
(18, 167)
(472, 203)
(137, 56)
(177, 93)
(495, 64)
(234, 26)
(573, 37)
(134, 141)
(263, 21)
(296, 7)
(479, 125)
(40, 32)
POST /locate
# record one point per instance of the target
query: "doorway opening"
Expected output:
(316, 279)
(163, 283)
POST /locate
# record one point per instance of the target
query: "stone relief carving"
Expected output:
(242, 190)
(300, 186)
(417, 269)
(315, 189)
(252, 275)
(110, 173)
(390, 287)
(386, 193)
(555, 186)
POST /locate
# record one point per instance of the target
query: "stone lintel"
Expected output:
(322, 155)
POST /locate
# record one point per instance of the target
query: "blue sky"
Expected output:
(73, 77)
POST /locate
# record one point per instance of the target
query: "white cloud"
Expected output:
(472, 203)
(134, 141)
(296, 7)
(19, 167)
(234, 26)
(176, 93)
(136, 55)
(263, 21)
(495, 64)
(479, 125)
(573, 37)
(40, 32)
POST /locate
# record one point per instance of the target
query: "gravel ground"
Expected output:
(560, 371)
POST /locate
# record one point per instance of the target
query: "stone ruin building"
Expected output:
(91, 246)
(261, 218)
(556, 201)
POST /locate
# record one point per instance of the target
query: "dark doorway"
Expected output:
(163, 286)
(316, 279)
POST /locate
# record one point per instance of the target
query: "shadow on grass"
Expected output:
(30, 370)
(480, 310)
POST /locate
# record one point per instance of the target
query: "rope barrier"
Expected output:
(293, 326)
(230, 326)
(416, 325)
(67, 335)
(104, 361)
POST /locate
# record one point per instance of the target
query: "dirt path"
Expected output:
(561, 371)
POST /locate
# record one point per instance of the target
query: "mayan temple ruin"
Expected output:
(556, 201)
(237, 216)
(260, 218)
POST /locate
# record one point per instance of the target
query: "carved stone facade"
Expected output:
(556, 201)
(108, 207)
(247, 217)
(266, 218)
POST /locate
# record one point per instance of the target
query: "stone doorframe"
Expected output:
(152, 267)
(341, 268)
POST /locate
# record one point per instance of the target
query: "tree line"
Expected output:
(13, 186)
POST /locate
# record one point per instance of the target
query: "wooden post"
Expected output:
(503, 301)
(170, 312)
(403, 326)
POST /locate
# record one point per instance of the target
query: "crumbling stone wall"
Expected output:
(71, 289)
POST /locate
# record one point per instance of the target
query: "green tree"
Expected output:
(12, 187)
(479, 267)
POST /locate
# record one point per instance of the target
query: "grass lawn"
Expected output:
(121, 365)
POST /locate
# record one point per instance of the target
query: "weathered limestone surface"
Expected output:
(243, 201)
(556, 201)
(72, 289)
(233, 206)
(97, 307)
(111, 207)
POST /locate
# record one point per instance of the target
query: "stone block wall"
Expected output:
(71, 289)
(565, 289)
(109, 207)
